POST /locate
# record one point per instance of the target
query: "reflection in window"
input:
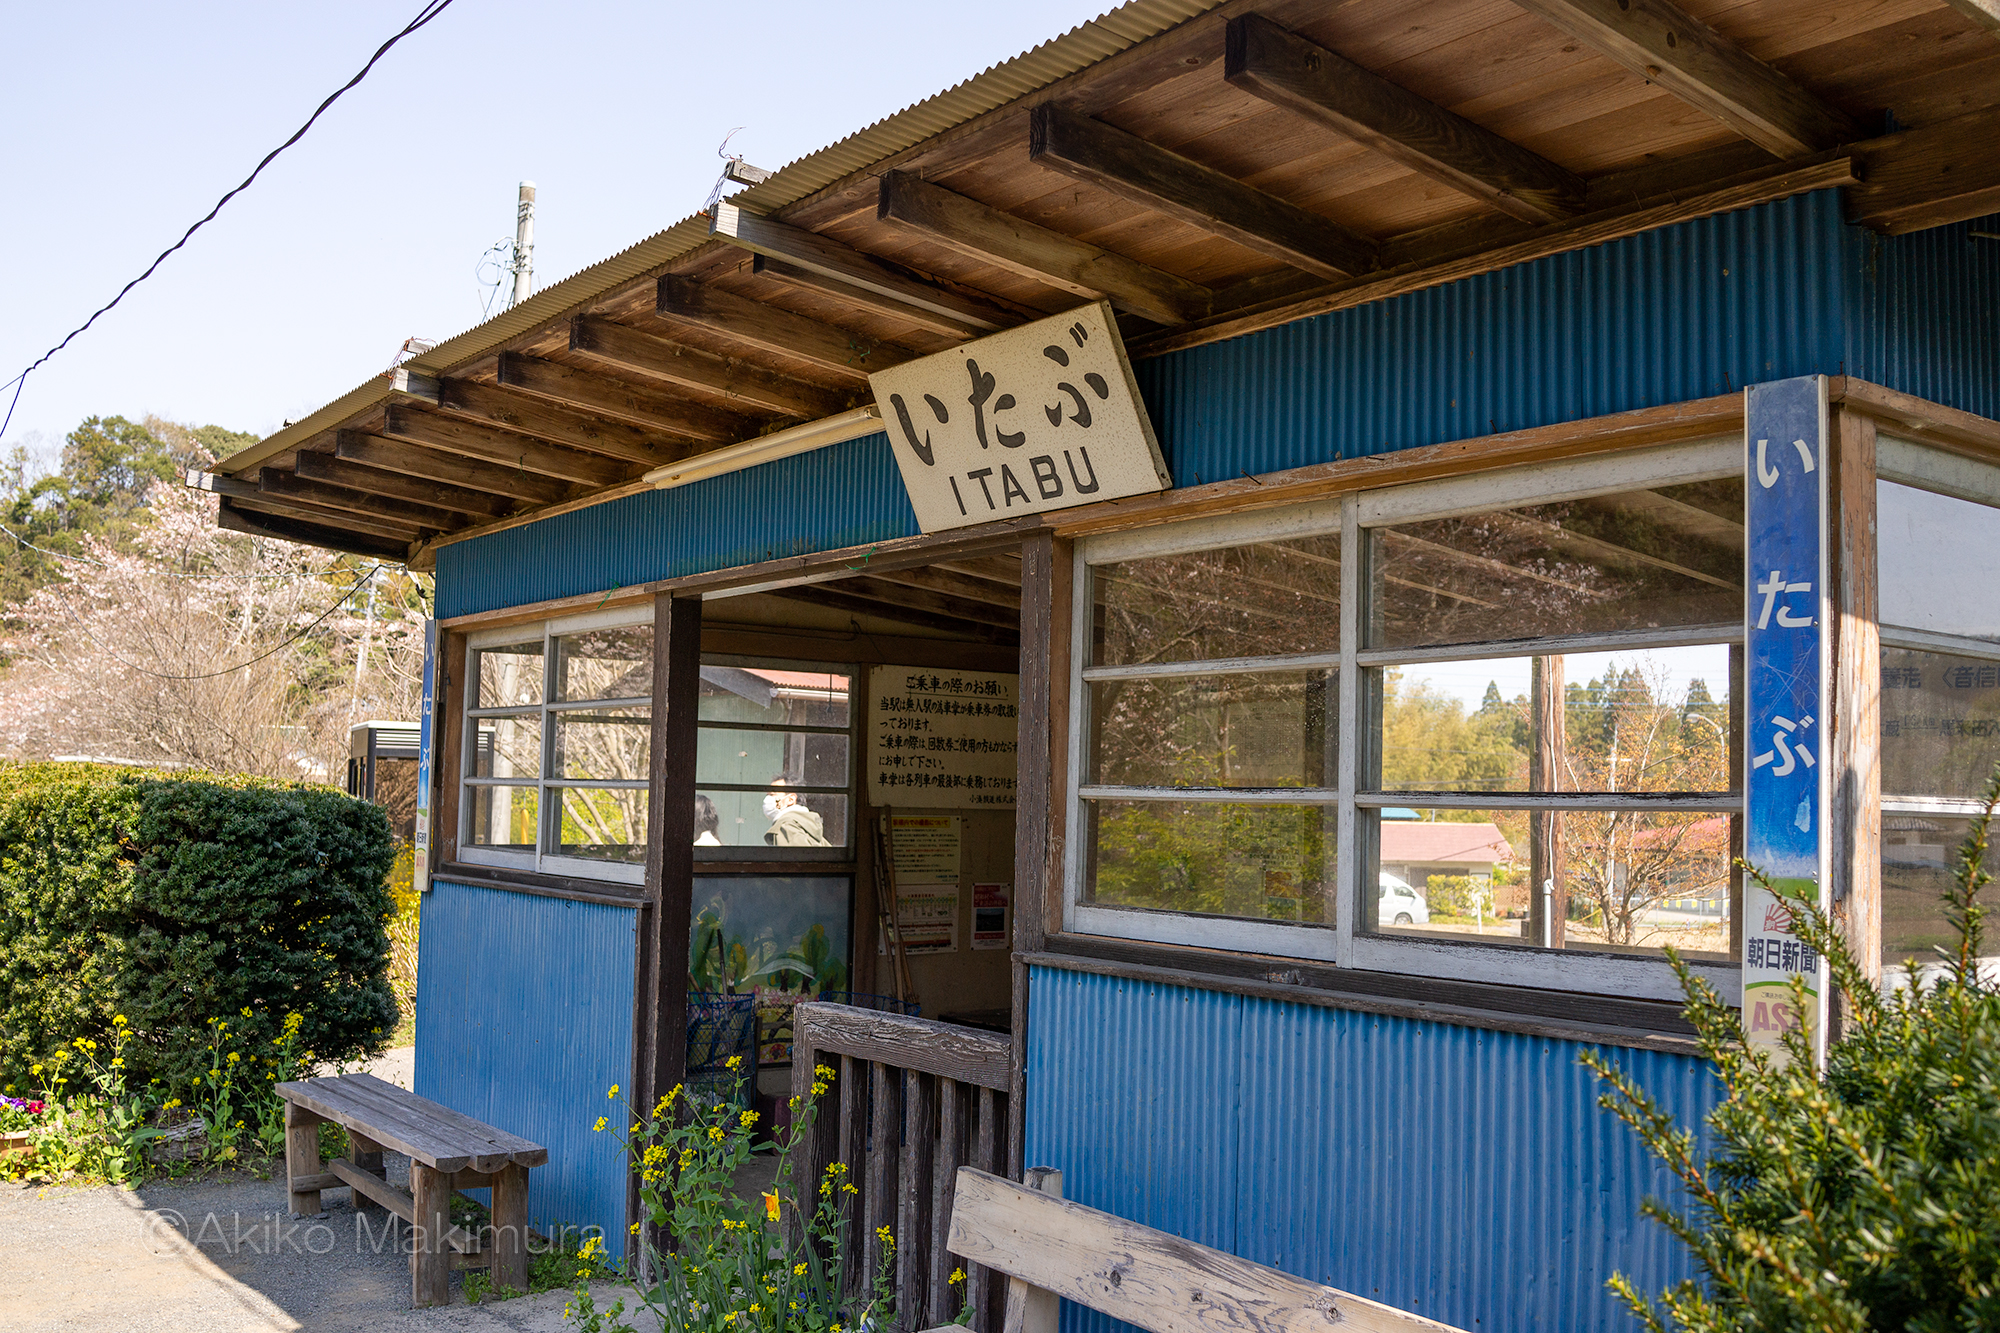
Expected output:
(1619, 881)
(1263, 862)
(1248, 729)
(1938, 561)
(1919, 862)
(509, 676)
(772, 755)
(1940, 723)
(1672, 555)
(605, 664)
(1258, 600)
(602, 823)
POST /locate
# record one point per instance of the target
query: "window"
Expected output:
(1938, 562)
(774, 764)
(1477, 728)
(557, 747)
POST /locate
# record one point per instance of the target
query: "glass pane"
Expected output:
(1940, 723)
(1242, 601)
(1939, 561)
(507, 747)
(771, 758)
(607, 745)
(1616, 882)
(1268, 729)
(602, 824)
(773, 696)
(605, 664)
(774, 818)
(1262, 862)
(1654, 720)
(509, 676)
(1919, 861)
(503, 817)
(1672, 555)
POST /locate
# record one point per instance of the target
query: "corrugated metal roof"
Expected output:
(1077, 49)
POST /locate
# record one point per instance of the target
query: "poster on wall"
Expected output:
(942, 738)
(780, 938)
(927, 881)
(1787, 678)
(991, 928)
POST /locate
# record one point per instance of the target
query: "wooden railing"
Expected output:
(912, 1101)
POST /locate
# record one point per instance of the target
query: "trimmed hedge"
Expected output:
(177, 898)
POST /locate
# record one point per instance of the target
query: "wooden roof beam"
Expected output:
(640, 404)
(1985, 13)
(1063, 262)
(471, 440)
(1286, 70)
(933, 578)
(756, 388)
(833, 259)
(1949, 172)
(1165, 182)
(478, 474)
(862, 298)
(396, 486)
(327, 495)
(836, 350)
(552, 424)
(1665, 45)
(250, 494)
(838, 596)
(336, 535)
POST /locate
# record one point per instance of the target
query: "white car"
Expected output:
(1400, 905)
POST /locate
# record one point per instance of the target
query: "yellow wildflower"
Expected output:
(715, 1133)
(245, 1011)
(957, 1276)
(747, 1119)
(601, 1123)
(118, 1021)
(612, 1095)
(771, 1206)
(733, 1062)
(799, 1269)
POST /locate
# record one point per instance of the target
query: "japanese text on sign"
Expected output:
(1042, 417)
(1785, 788)
(942, 738)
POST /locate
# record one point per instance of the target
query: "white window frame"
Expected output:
(1352, 515)
(542, 861)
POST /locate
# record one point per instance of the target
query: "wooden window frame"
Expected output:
(540, 861)
(1341, 944)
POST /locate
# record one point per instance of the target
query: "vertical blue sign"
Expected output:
(1787, 694)
(426, 744)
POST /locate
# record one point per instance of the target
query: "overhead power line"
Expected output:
(430, 11)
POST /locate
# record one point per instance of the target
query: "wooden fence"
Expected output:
(912, 1101)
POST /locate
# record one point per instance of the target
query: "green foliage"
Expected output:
(172, 899)
(1866, 1197)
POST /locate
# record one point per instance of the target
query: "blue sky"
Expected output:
(127, 121)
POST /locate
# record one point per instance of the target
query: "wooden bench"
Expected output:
(1051, 1249)
(447, 1151)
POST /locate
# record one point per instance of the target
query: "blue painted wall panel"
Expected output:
(524, 1018)
(1463, 1174)
(1688, 311)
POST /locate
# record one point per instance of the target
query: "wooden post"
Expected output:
(448, 739)
(302, 1157)
(508, 1228)
(913, 1190)
(430, 1259)
(1856, 730)
(660, 1030)
(1548, 894)
(366, 1154)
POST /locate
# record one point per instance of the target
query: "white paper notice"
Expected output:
(927, 857)
(942, 738)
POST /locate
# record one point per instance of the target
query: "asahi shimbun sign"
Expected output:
(1042, 417)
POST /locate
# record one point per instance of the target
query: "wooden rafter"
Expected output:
(481, 475)
(931, 601)
(1665, 45)
(291, 486)
(843, 353)
(933, 578)
(972, 229)
(1128, 166)
(751, 386)
(830, 258)
(553, 424)
(1942, 173)
(397, 486)
(1986, 13)
(1327, 88)
(250, 495)
(503, 447)
(334, 534)
(640, 404)
(840, 597)
(863, 298)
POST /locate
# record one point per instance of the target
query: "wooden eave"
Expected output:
(1191, 170)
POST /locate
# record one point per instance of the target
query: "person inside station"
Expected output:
(706, 822)
(792, 824)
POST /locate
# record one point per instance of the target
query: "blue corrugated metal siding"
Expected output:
(524, 1018)
(846, 495)
(1925, 313)
(1462, 1174)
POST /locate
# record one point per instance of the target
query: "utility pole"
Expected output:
(524, 245)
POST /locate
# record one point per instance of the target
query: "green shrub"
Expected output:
(1866, 1197)
(177, 898)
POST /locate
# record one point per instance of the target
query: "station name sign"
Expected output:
(1046, 416)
